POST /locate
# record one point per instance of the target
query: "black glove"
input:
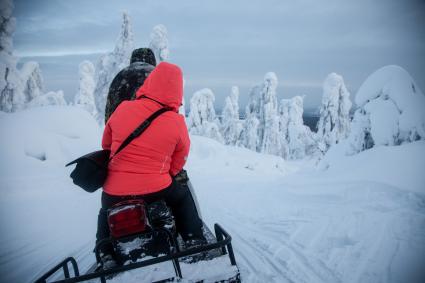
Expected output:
(181, 177)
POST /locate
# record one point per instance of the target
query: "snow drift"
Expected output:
(44, 217)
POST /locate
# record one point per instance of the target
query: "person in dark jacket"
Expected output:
(130, 79)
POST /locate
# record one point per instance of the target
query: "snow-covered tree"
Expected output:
(48, 99)
(249, 135)
(11, 96)
(111, 63)
(159, 43)
(253, 106)
(32, 79)
(7, 27)
(202, 119)
(296, 139)
(390, 111)
(24, 88)
(271, 139)
(360, 137)
(85, 95)
(231, 126)
(269, 125)
(334, 122)
(283, 112)
(263, 105)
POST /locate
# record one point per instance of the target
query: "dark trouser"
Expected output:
(177, 197)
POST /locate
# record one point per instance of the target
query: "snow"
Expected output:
(249, 135)
(390, 99)
(334, 122)
(85, 95)
(314, 226)
(275, 128)
(23, 88)
(353, 219)
(50, 98)
(39, 201)
(383, 120)
(261, 127)
(195, 272)
(159, 43)
(111, 63)
(231, 125)
(353, 213)
(32, 79)
(11, 97)
(7, 25)
(296, 139)
(202, 119)
(392, 81)
(398, 166)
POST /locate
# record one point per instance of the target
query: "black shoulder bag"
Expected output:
(92, 169)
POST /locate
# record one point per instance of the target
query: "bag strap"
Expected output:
(140, 129)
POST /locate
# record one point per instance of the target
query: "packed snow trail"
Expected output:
(311, 226)
(361, 220)
(311, 237)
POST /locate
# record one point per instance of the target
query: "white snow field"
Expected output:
(357, 218)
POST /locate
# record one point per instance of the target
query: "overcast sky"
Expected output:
(223, 43)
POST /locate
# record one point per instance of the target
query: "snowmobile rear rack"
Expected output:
(223, 243)
(64, 266)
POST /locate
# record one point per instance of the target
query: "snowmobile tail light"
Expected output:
(127, 219)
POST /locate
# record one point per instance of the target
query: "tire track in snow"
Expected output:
(315, 268)
(262, 258)
(324, 272)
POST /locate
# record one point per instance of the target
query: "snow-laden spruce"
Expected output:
(231, 125)
(111, 63)
(296, 139)
(23, 88)
(390, 111)
(262, 105)
(334, 122)
(11, 96)
(202, 119)
(85, 95)
(32, 79)
(249, 135)
(159, 43)
(269, 122)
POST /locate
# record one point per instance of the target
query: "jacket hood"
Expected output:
(144, 55)
(165, 85)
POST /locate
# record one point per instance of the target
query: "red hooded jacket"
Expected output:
(145, 165)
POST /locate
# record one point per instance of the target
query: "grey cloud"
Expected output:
(218, 42)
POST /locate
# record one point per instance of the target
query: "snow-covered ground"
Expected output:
(357, 218)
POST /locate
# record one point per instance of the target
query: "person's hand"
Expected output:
(181, 177)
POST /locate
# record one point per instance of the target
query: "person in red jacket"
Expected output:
(147, 166)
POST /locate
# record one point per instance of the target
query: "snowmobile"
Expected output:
(144, 235)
